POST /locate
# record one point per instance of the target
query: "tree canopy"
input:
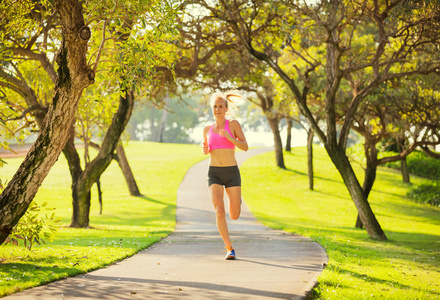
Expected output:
(363, 44)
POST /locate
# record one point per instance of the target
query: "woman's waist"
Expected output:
(222, 158)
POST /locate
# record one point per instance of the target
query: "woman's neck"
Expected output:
(220, 122)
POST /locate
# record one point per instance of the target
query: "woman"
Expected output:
(220, 140)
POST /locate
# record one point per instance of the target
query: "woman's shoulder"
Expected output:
(206, 128)
(234, 123)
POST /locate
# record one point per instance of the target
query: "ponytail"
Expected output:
(231, 99)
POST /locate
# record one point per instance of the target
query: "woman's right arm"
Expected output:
(205, 148)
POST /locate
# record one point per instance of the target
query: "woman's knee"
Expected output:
(235, 216)
(220, 212)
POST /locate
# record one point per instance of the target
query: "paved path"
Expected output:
(189, 264)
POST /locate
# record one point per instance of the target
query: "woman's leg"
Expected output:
(217, 193)
(234, 195)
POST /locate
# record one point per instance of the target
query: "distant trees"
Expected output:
(182, 115)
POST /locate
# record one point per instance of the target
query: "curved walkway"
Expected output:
(189, 264)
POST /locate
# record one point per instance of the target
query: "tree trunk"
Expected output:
(163, 121)
(369, 174)
(74, 162)
(128, 174)
(310, 135)
(73, 76)
(366, 214)
(289, 135)
(98, 185)
(358, 223)
(126, 170)
(279, 157)
(404, 169)
(93, 170)
(370, 177)
(153, 127)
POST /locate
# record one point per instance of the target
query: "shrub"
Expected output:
(425, 193)
(33, 228)
(421, 165)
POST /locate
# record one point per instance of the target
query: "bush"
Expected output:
(33, 228)
(421, 165)
(425, 193)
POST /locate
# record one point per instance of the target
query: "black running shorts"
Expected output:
(227, 176)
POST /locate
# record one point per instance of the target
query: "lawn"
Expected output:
(127, 225)
(407, 266)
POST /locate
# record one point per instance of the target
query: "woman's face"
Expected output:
(219, 108)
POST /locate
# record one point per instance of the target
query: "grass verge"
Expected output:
(127, 225)
(407, 266)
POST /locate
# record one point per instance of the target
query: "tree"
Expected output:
(391, 32)
(73, 76)
(289, 61)
(124, 69)
(136, 37)
(407, 115)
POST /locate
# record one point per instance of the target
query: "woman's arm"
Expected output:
(205, 148)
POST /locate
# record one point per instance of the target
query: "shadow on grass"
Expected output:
(352, 241)
(28, 274)
(155, 201)
(314, 177)
(386, 283)
(131, 217)
(122, 241)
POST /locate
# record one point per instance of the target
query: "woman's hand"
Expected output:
(205, 149)
(226, 134)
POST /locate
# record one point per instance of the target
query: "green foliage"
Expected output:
(33, 228)
(425, 193)
(356, 154)
(421, 165)
(3, 145)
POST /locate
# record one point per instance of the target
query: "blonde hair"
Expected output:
(231, 104)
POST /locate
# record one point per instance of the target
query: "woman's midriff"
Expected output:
(222, 158)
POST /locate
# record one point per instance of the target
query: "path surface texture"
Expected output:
(190, 264)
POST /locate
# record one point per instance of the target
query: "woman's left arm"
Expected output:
(240, 139)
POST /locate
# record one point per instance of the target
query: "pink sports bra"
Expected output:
(215, 141)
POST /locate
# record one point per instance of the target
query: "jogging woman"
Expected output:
(220, 140)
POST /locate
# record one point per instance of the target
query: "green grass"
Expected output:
(405, 267)
(127, 225)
